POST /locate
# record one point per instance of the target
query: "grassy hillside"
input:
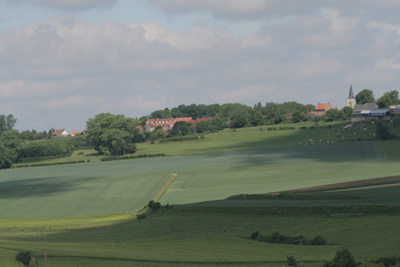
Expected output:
(126, 185)
(179, 237)
(82, 213)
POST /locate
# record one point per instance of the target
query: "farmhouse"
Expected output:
(75, 133)
(60, 133)
(370, 112)
(321, 109)
(168, 124)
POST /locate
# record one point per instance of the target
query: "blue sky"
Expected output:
(64, 61)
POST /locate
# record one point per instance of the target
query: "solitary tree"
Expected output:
(112, 134)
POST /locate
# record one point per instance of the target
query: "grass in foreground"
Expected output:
(179, 237)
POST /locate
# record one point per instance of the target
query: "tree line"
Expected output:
(113, 134)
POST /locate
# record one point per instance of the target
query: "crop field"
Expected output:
(127, 185)
(82, 213)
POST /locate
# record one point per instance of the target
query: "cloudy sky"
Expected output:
(64, 61)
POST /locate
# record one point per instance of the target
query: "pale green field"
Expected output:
(127, 185)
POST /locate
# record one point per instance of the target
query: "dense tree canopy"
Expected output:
(7, 122)
(112, 134)
(388, 99)
(9, 148)
(365, 96)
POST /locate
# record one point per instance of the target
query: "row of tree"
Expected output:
(388, 99)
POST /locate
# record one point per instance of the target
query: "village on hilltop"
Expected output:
(361, 112)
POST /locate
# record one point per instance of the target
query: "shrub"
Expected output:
(388, 261)
(271, 129)
(318, 241)
(156, 206)
(24, 257)
(291, 261)
(141, 216)
(344, 258)
(255, 235)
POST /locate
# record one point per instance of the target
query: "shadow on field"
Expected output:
(38, 187)
(333, 152)
(355, 151)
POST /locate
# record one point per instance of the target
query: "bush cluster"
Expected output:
(179, 139)
(110, 158)
(287, 128)
(283, 239)
(50, 164)
(45, 149)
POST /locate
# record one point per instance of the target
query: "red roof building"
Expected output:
(321, 109)
(74, 133)
(60, 133)
(168, 124)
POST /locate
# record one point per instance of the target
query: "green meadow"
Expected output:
(85, 214)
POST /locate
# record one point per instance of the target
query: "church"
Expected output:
(351, 100)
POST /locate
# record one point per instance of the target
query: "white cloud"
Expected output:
(69, 4)
(71, 65)
(220, 7)
(267, 9)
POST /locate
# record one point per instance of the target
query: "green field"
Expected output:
(126, 185)
(83, 213)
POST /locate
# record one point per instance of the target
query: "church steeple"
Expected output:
(351, 100)
(351, 95)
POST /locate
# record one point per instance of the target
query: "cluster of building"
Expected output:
(150, 126)
(361, 112)
(168, 124)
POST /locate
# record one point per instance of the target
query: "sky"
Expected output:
(65, 61)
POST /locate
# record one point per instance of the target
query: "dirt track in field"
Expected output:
(363, 184)
(165, 186)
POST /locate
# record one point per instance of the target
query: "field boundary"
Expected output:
(353, 184)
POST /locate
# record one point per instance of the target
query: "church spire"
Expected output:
(351, 100)
(351, 95)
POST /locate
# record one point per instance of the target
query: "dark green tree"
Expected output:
(180, 128)
(347, 112)
(299, 116)
(158, 134)
(112, 134)
(383, 131)
(24, 257)
(257, 118)
(388, 99)
(365, 96)
(344, 258)
(10, 144)
(7, 122)
(272, 113)
(217, 123)
(291, 261)
(239, 117)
